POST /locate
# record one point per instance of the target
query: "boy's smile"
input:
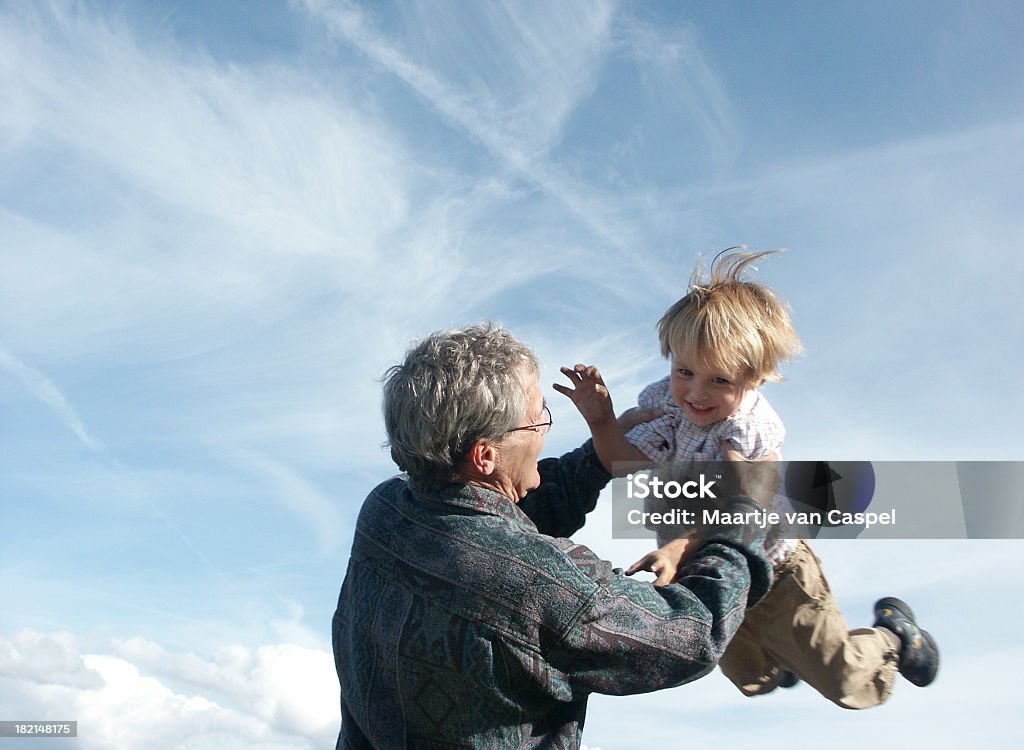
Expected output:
(706, 395)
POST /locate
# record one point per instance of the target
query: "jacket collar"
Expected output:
(474, 499)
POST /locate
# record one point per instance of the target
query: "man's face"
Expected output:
(705, 394)
(521, 449)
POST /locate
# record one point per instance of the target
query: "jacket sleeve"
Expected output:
(632, 637)
(569, 487)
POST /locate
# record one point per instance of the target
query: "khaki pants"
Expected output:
(798, 626)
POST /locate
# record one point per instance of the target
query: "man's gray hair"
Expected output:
(452, 389)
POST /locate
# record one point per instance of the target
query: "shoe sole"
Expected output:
(891, 602)
(929, 678)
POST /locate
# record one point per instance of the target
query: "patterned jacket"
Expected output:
(466, 620)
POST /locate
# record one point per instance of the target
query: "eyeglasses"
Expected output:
(541, 427)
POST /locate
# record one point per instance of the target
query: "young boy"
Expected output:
(725, 338)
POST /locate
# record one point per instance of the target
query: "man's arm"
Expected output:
(757, 478)
(632, 637)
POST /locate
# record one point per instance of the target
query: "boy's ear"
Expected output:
(482, 458)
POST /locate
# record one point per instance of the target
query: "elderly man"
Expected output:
(467, 618)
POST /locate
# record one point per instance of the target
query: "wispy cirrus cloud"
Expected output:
(506, 75)
(683, 84)
(237, 202)
(309, 504)
(540, 92)
(46, 391)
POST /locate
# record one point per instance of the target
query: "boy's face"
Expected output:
(706, 395)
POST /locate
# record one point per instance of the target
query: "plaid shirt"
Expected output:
(754, 430)
(466, 620)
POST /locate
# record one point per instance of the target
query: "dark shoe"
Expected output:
(919, 656)
(787, 679)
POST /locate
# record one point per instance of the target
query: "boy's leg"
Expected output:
(854, 669)
(746, 663)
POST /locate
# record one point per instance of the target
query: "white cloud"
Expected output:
(291, 688)
(46, 659)
(142, 696)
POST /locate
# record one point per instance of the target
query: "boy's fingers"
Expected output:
(580, 372)
(589, 371)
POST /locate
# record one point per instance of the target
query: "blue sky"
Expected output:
(220, 223)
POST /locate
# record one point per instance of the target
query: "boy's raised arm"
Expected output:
(594, 402)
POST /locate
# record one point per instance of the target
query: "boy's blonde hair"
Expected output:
(733, 325)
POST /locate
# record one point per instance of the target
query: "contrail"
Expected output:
(464, 112)
(43, 388)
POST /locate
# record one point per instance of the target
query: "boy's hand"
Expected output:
(666, 561)
(589, 394)
(591, 397)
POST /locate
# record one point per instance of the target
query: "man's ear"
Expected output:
(482, 458)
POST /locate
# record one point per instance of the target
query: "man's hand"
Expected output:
(758, 479)
(589, 394)
(666, 561)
